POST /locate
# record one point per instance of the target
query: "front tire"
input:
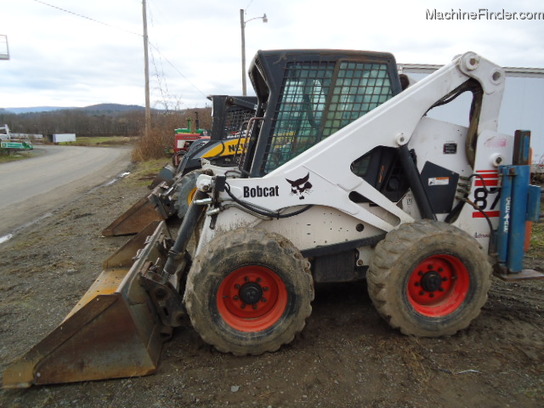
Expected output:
(249, 292)
(429, 279)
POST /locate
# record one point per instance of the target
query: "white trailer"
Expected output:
(62, 137)
(521, 105)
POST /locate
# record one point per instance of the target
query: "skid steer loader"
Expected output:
(173, 193)
(343, 178)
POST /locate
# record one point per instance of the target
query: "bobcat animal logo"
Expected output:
(301, 186)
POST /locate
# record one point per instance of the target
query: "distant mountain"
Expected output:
(113, 107)
(35, 109)
(103, 107)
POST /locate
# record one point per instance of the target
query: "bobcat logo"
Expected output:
(301, 186)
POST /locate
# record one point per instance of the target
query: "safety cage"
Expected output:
(314, 94)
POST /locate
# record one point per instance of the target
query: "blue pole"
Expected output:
(503, 230)
(520, 191)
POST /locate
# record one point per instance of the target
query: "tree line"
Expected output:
(84, 122)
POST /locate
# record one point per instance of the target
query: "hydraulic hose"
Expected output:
(187, 229)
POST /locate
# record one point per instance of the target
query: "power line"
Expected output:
(167, 60)
(161, 80)
(127, 31)
(251, 2)
(177, 70)
(87, 17)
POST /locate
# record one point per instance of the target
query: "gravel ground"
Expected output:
(346, 356)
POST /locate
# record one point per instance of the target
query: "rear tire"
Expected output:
(249, 292)
(429, 279)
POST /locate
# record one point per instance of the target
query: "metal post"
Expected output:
(243, 31)
(4, 51)
(146, 70)
(242, 28)
(503, 231)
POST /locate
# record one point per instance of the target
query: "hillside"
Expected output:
(103, 107)
(107, 119)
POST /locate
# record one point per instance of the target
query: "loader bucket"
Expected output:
(134, 220)
(113, 332)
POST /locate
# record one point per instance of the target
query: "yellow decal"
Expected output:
(227, 148)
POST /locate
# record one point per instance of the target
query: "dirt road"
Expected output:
(347, 356)
(31, 188)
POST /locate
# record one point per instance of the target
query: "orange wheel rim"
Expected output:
(252, 298)
(438, 285)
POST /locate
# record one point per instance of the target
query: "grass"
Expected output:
(102, 141)
(10, 156)
(146, 171)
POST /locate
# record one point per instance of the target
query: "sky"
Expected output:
(74, 53)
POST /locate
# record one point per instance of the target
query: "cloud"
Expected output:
(62, 58)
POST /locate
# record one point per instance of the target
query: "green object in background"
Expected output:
(16, 145)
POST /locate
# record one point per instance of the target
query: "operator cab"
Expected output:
(307, 95)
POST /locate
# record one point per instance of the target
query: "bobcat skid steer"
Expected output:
(173, 194)
(117, 328)
(343, 178)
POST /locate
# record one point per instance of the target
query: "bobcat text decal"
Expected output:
(261, 191)
(301, 186)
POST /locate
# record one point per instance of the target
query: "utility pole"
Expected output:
(4, 48)
(243, 22)
(242, 28)
(146, 68)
